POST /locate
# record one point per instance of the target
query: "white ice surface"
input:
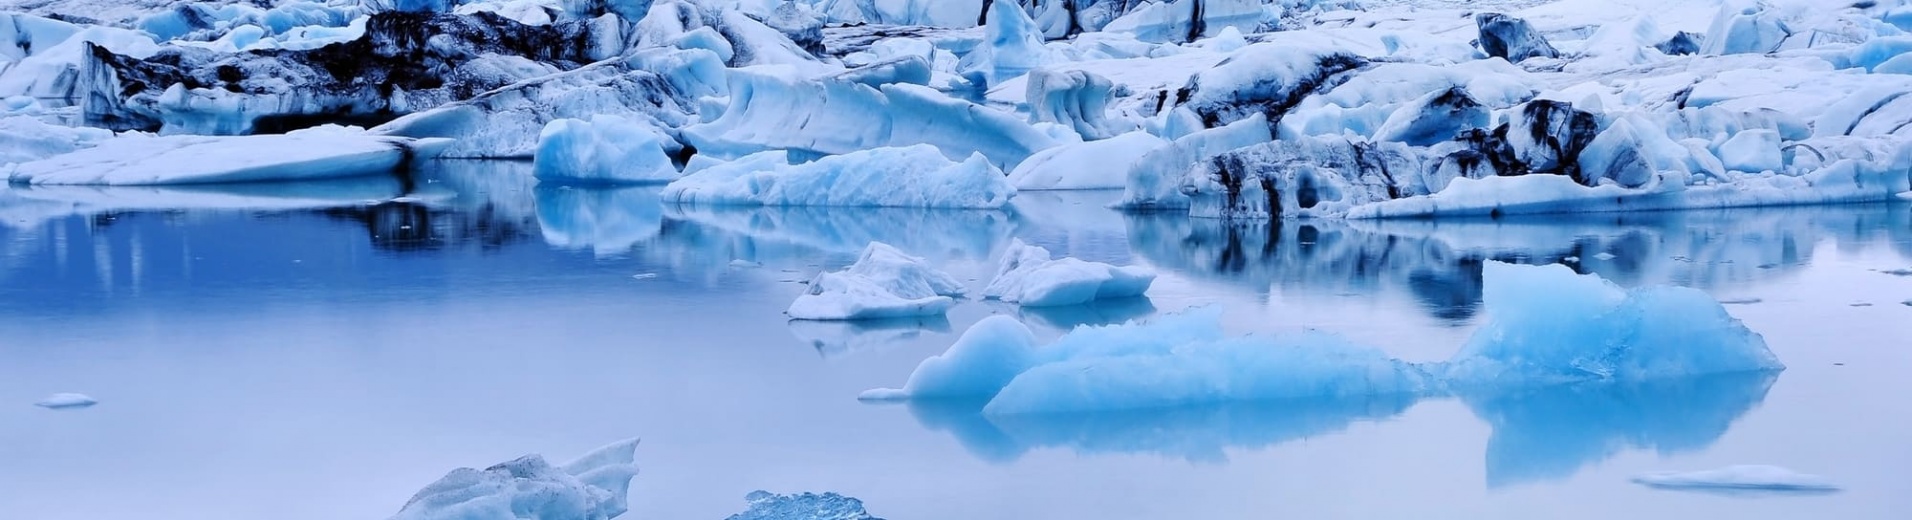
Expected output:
(1089, 165)
(593, 487)
(883, 283)
(607, 148)
(1027, 275)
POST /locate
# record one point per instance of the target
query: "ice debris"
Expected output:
(1550, 326)
(1027, 275)
(883, 283)
(66, 401)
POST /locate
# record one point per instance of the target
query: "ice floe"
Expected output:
(66, 401)
(317, 153)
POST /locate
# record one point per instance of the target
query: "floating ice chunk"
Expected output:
(1026, 275)
(594, 487)
(319, 153)
(807, 506)
(1549, 327)
(1740, 480)
(1089, 165)
(607, 148)
(66, 401)
(913, 177)
(883, 283)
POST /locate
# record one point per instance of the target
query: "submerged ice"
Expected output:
(1549, 326)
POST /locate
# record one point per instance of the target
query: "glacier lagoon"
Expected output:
(294, 351)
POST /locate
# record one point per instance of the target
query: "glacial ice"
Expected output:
(883, 283)
(1012, 46)
(1549, 327)
(27, 138)
(909, 177)
(66, 401)
(593, 487)
(317, 153)
(765, 505)
(1100, 164)
(1741, 480)
(827, 116)
(606, 148)
(1027, 275)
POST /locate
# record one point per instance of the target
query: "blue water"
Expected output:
(321, 351)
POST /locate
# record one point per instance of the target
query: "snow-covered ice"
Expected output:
(66, 401)
(1741, 480)
(883, 283)
(1027, 275)
(593, 487)
(908, 177)
(1588, 331)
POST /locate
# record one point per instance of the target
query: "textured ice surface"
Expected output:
(883, 283)
(1741, 480)
(911, 177)
(765, 505)
(1549, 326)
(593, 487)
(1026, 275)
(66, 401)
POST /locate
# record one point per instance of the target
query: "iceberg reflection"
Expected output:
(837, 338)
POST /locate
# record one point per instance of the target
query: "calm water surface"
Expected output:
(296, 352)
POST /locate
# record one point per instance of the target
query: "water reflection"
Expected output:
(838, 338)
(607, 221)
(1548, 433)
(1439, 262)
(1538, 433)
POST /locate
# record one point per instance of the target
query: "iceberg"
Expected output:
(1028, 276)
(765, 505)
(1073, 98)
(594, 487)
(66, 401)
(1012, 46)
(1741, 480)
(910, 177)
(318, 153)
(607, 148)
(883, 283)
(1592, 332)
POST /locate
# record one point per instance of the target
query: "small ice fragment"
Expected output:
(1740, 301)
(1740, 480)
(883, 394)
(765, 505)
(745, 264)
(1898, 272)
(1571, 259)
(1861, 304)
(66, 401)
(1604, 256)
(643, 276)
